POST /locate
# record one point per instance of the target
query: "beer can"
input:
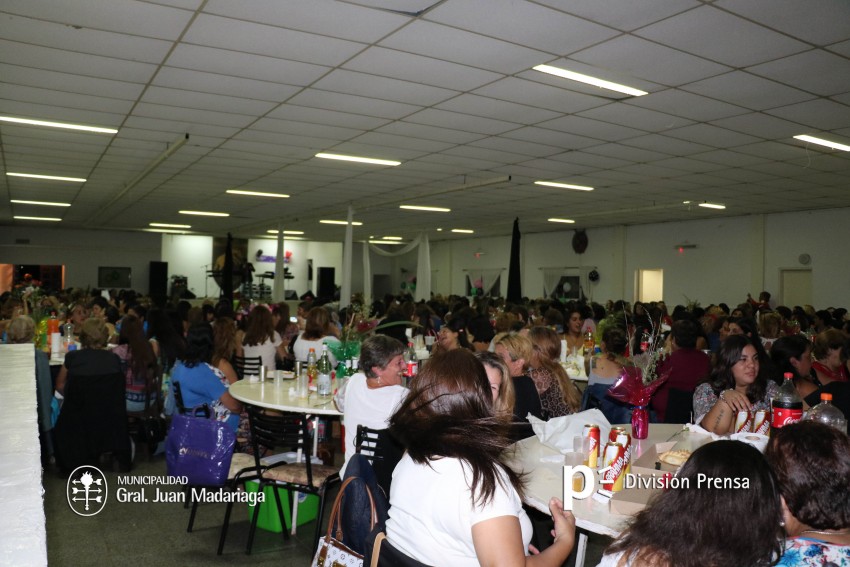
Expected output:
(624, 439)
(592, 430)
(761, 422)
(743, 421)
(614, 457)
(615, 431)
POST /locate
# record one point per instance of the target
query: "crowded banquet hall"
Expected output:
(435, 282)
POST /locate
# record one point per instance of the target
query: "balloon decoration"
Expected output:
(593, 276)
(580, 241)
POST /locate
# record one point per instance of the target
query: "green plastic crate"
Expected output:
(308, 508)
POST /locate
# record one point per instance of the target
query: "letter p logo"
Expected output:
(578, 483)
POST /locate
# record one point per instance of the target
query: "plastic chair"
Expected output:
(246, 365)
(272, 430)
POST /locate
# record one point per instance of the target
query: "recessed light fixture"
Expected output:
(373, 161)
(30, 122)
(712, 205)
(423, 208)
(165, 230)
(37, 218)
(587, 79)
(256, 193)
(353, 223)
(392, 238)
(567, 221)
(166, 225)
(48, 177)
(463, 230)
(385, 242)
(822, 142)
(564, 185)
(286, 232)
(204, 213)
(42, 203)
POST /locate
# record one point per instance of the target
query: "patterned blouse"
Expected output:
(705, 398)
(805, 552)
(551, 395)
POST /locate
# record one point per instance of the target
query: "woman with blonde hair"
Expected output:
(501, 384)
(516, 352)
(558, 394)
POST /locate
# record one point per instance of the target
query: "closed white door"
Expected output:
(650, 285)
(795, 287)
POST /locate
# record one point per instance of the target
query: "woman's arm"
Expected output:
(230, 402)
(228, 371)
(720, 418)
(498, 541)
(61, 379)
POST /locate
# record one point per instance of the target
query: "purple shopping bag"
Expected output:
(199, 449)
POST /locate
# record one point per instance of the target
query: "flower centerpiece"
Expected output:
(639, 379)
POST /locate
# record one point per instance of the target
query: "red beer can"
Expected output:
(624, 439)
(761, 422)
(591, 430)
(614, 457)
(743, 421)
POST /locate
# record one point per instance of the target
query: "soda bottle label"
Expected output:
(785, 416)
(412, 368)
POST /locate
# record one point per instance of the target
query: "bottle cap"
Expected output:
(825, 397)
(788, 375)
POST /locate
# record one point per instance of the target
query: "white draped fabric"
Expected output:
(488, 277)
(279, 289)
(551, 277)
(345, 291)
(423, 267)
(367, 276)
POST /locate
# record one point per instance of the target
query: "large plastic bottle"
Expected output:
(827, 413)
(786, 406)
(312, 371)
(324, 367)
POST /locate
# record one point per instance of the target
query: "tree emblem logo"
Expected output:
(86, 490)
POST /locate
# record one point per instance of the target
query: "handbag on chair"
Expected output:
(199, 449)
(331, 551)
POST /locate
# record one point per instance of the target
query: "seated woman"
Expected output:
(287, 330)
(318, 329)
(558, 394)
(371, 396)
(137, 360)
(261, 339)
(454, 499)
(829, 365)
(501, 384)
(516, 352)
(737, 383)
(605, 369)
(812, 466)
(453, 335)
(92, 358)
(667, 533)
(200, 382)
(224, 347)
(793, 354)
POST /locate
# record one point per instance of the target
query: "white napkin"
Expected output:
(558, 432)
(756, 440)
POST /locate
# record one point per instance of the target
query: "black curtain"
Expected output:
(514, 276)
(227, 276)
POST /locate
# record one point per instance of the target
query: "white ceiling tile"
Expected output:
(639, 58)
(806, 72)
(353, 104)
(759, 124)
(205, 101)
(176, 127)
(60, 99)
(189, 115)
(404, 128)
(591, 128)
(124, 16)
(69, 83)
(591, 160)
(748, 91)
(523, 23)
(419, 69)
(223, 85)
(305, 129)
(271, 41)
(281, 139)
(407, 142)
(842, 48)
(687, 105)
(327, 117)
(516, 146)
(466, 48)
(476, 124)
(817, 21)
(622, 15)
(497, 109)
(362, 84)
(821, 114)
(381, 152)
(686, 164)
(729, 158)
(537, 94)
(666, 144)
(626, 152)
(221, 61)
(60, 114)
(711, 135)
(496, 156)
(743, 43)
(564, 140)
(632, 116)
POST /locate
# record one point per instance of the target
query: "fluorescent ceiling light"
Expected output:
(358, 159)
(564, 185)
(587, 79)
(36, 218)
(353, 223)
(256, 193)
(48, 177)
(43, 203)
(97, 129)
(165, 230)
(204, 213)
(822, 142)
(286, 231)
(422, 208)
(463, 230)
(392, 238)
(712, 205)
(568, 221)
(385, 242)
(166, 225)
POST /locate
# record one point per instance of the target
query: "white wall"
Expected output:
(190, 256)
(81, 252)
(323, 254)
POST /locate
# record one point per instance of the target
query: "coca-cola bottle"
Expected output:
(786, 406)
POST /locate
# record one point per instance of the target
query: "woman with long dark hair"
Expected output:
(137, 360)
(452, 335)
(261, 339)
(736, 520)
(454, 499)
(737, 383)
(317, 330)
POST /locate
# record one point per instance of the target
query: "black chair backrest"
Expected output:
(680, 406)
(272, 429)
(178, 397)
(247, 365)
(382, 450)
(367, 443)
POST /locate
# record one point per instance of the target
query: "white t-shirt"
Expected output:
(302, 347)
(431, 512)
(362, 406)
(266, 351)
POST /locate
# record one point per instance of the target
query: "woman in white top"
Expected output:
(370, 397)
(454, 501)
(318, 329)
(261, 339)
